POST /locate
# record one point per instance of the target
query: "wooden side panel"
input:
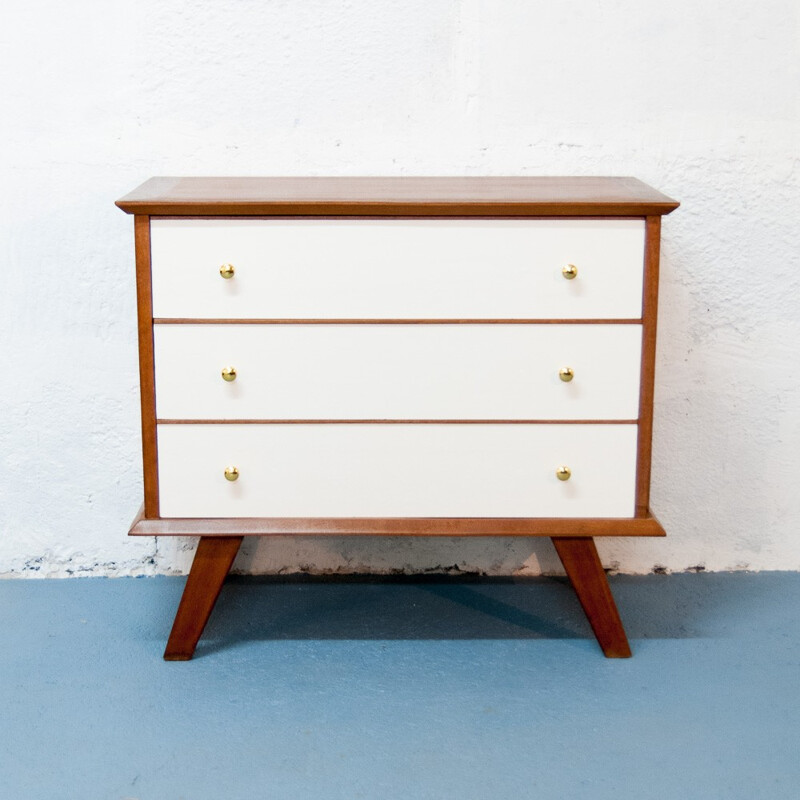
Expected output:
(650, 318)
(144, 299)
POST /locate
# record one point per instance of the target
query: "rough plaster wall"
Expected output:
(698, 98)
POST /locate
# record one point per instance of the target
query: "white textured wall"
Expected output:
(697, 97)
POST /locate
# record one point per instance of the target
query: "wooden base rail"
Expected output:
(646, 525)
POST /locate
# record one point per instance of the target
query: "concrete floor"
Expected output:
(401, 689)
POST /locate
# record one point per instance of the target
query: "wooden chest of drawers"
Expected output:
(396, 356)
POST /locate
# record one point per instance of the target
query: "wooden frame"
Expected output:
(652, 246)
(646, 525)
(395, 197)
(147, 376)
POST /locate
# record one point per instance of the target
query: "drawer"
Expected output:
(397, 269)
(406, 371)
(396, 470)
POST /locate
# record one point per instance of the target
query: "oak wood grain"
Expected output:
(396, 196)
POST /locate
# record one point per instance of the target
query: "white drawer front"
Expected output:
(397, 269)
(400, 470)
(379, 372)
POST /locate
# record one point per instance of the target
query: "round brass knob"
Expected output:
(565, 373)
(563, 473)
(227, 271)
(231, 473)
(229, 374)
(570, 272)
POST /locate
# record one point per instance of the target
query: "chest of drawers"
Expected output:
(396, 356)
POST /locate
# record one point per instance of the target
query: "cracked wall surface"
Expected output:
(699, 100)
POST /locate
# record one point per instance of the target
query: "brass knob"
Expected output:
(229, 374)
(563, 473)
(565, 373)
(569, 272)
(227, 271)
(231, 473)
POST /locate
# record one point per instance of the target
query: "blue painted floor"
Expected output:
(400, 689)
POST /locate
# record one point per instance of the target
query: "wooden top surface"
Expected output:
(397, 196)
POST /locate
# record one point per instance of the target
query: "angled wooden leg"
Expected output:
(580, 560)
(211, 563)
